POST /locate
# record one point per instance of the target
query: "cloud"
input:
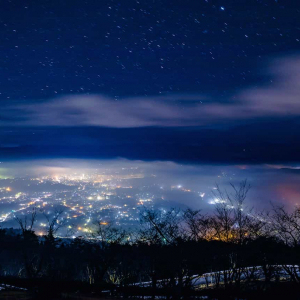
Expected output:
(102, 111)
(280, 98)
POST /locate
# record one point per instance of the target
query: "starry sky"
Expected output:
(202, 82)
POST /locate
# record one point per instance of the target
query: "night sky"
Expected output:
(194, 81)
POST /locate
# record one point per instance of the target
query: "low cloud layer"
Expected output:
(280, 98)
(269, 183)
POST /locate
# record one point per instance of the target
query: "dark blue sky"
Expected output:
(203, 81)
(126, 48)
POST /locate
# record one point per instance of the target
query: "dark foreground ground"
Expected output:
(278, 291)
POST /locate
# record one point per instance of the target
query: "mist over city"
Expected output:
(118, 191)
